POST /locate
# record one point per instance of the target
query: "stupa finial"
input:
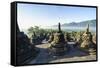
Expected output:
(59, 27)
(88, 28)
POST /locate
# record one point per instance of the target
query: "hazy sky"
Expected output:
(47, 15)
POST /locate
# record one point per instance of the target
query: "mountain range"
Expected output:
(92, 23)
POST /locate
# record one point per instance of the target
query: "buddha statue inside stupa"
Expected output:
(58, 46)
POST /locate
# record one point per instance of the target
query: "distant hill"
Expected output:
(92, 23)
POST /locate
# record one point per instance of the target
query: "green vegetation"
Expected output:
(47, 32)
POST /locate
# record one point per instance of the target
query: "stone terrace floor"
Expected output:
(73, 55)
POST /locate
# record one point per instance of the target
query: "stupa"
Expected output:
(51, 38)
(66, 37)
(58, 46)
(78, 39)
(87, 42)
(94, 40)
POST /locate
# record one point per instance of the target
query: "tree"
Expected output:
(30, 31)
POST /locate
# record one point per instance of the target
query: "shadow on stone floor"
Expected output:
(69, 54)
